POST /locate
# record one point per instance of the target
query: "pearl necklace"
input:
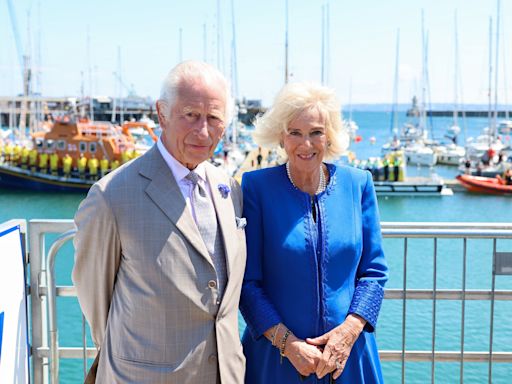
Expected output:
(322, 184)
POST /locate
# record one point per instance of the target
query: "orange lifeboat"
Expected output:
(489, 185)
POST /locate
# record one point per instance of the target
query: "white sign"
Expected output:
(14, 365)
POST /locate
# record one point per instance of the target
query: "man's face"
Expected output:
(196, 122)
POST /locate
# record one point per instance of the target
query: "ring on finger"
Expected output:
(338, 364)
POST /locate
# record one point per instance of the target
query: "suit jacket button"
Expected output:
(212, 359)
(212, 284)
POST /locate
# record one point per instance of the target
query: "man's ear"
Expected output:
(161, 109)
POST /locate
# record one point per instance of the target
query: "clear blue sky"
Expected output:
(362, 44)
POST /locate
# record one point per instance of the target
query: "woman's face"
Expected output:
(305, 140)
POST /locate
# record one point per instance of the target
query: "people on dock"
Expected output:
(67, 163)
(82, 164)
(8, 148)
(114, 165)
(125, 156)
(54, 164)
(385, 165)
(32, 160)
(259, 158)
(397, 162)
(467, 166)
(479, 168)
(488, 156)
(92, 165)
(16, 155)
(24, 157)
(507, 176)
(104, 166)
(160, 252)
(315, 273)
(43, 162)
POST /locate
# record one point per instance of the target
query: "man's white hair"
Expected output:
(195, 70)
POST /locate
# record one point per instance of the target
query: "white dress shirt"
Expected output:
(179, 172)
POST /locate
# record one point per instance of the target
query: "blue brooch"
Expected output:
(224, 190)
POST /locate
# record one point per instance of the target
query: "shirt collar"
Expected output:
(178, 170)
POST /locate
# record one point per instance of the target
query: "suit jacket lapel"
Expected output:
(166, 194)
(225, 215)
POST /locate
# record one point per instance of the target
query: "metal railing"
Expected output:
(435, 231)
(46, 351)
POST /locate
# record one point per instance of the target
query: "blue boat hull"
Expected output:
(13, 177)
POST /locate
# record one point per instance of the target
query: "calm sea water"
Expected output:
(461, 207)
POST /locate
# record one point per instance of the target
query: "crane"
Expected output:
(23, 58)
(26, 73)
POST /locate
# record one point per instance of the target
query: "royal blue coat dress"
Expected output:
(310, 274)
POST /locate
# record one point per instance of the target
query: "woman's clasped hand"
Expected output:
(337, 346)
(324, 354)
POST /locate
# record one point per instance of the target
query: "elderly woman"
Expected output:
(313, 286)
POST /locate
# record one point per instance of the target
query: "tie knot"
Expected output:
(193, 178)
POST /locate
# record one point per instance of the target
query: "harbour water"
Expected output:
(461, 207)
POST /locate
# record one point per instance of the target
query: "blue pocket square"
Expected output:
(241, 222)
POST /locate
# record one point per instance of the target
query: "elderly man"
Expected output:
(160, 248)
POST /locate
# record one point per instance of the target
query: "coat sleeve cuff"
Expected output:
(367, 301)
(258, 312)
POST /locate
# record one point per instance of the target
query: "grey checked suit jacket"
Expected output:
(144, 278)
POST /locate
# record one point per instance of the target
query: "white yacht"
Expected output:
(505, 127)
(419, 154)
(450, 154)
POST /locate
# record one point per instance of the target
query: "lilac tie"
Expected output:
(206, 221)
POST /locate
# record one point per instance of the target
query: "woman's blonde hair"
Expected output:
(294, 98)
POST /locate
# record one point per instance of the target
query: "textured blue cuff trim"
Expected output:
(257, 310)
(367, 301)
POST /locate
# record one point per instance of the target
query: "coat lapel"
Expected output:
(164, 191)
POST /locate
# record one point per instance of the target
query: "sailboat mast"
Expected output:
(234, 75)
(489, 115)
(120, 89)
(455, 75)
(234, 57)
(350, 101)
(38, 73)
(423, 75)
(322, 65)
(458, 79)
(505, 81)
(89, 72)
(325, 43)
(220, 44)
(286, 47)
(394, 114)
(496, 73)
